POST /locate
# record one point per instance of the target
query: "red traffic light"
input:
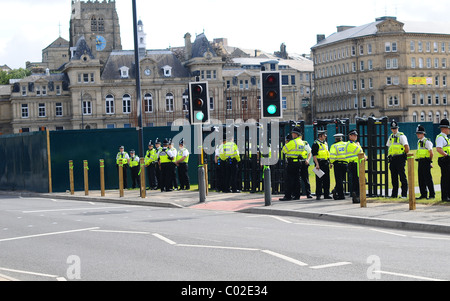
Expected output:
(198, 103)
(271, 80)
(198, 89)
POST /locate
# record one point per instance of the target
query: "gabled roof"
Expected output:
(162, 58)
(59, 43)
(82, 49)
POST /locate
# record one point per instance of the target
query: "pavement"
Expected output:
(428, 218)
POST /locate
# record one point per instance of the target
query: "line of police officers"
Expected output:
(161, 162)
(343, 156)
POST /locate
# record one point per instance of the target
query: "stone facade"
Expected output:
(368, 71)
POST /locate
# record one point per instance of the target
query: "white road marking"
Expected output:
(387, 232)
(289, 259)
(124, 232)
(28, 273)
(281, 219)
(409, 276)
(76, 209)
(217, 247)
(47, 234)
(170, 242)
(324, 266)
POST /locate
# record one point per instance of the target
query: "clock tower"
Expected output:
(98, 22)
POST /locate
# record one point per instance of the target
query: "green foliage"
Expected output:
(14, 74)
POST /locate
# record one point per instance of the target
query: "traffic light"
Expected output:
(271, 95)
(199, 102)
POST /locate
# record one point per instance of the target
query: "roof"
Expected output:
(59, 43)
(82, 49)
(5, 90)
(301, 64)
(55, 77)
(119, 59)
(201, 46)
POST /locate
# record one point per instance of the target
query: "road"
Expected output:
(58, 240)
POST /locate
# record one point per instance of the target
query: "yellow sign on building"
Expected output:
(419, 81)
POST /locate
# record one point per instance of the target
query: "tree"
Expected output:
(13, 74)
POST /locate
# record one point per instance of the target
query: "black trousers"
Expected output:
(304, 176)
(152, 180)
(353, 178)
(425, 178)
(397, 168)
(219, 175)
(323, 184)
(340, 173)
(166, 176)
(444, 164)
(124, 175)
(135, 178)
(158, 176)
(292, 183)
(183, 176)
(231, 169)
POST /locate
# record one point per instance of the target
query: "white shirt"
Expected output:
(185, 152)
(428, 144)
(440, 142)
(403, 140)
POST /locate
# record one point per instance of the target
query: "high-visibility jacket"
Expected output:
(180, 155)
(134, 161)
(353, 149)
(122, 158)
(396, 148)
(295, 149)
(151, 156)
(324, 153)
(164, 156)
(422, 151)
(229, 150)
(338, 152)
(447, 147)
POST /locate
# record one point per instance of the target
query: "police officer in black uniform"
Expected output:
(318, 151)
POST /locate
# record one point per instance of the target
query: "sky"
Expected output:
(28, 26)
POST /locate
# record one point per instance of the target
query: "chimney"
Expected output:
(188, 46)
(320, 38)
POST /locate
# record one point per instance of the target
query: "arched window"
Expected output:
(101, 24)
(126, 104)
(430, 116)
(109, 105)
(422, 116)
(148, 103)
(438, 117)
(414, 117)
(169, 102)
(94, 23)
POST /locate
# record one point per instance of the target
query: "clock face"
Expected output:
(100, 43)
(147, 72)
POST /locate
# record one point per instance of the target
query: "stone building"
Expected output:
(95, 88)
(381, 69)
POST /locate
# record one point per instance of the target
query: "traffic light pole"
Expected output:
(201, 167)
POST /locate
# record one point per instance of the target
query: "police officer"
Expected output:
(293, 151)
(229, 156)
(353, 149)
(182, 166)
(304, 172)
(151, 161)
(158, 149)
(397, 155)
(338, 158)
(443, 148)
(173, 169)
(321, 156)
(165, 162)
(122, 158)
(424, 156)
(134, 168)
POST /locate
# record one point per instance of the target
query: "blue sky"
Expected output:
(28, 26)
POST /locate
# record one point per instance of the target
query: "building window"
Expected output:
(244, 103)
(126, 104)
(229, 103)
(148, 103)
(414, 117)
(25, 112)
(109, 105)
(284, 103)
(372, 101)
(58, 90)
(24, 91)
(211, 103)
(422, 116)
(412, 46)
(94, 24)
(438, 117)
(59, 109)
(42, 111)
(87, 107)
(437, 99)
(124, 72)
(430, 116)
(101, 25)
(169, 102)
(284, 80)
(414, 99)
(185, 103)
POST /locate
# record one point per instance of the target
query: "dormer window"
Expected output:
(167, 71)
(124, 72)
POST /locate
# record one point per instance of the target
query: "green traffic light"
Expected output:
(199, 116)
(272, 109)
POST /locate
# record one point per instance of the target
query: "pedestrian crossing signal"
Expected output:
(271, 95)
(198, 96)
